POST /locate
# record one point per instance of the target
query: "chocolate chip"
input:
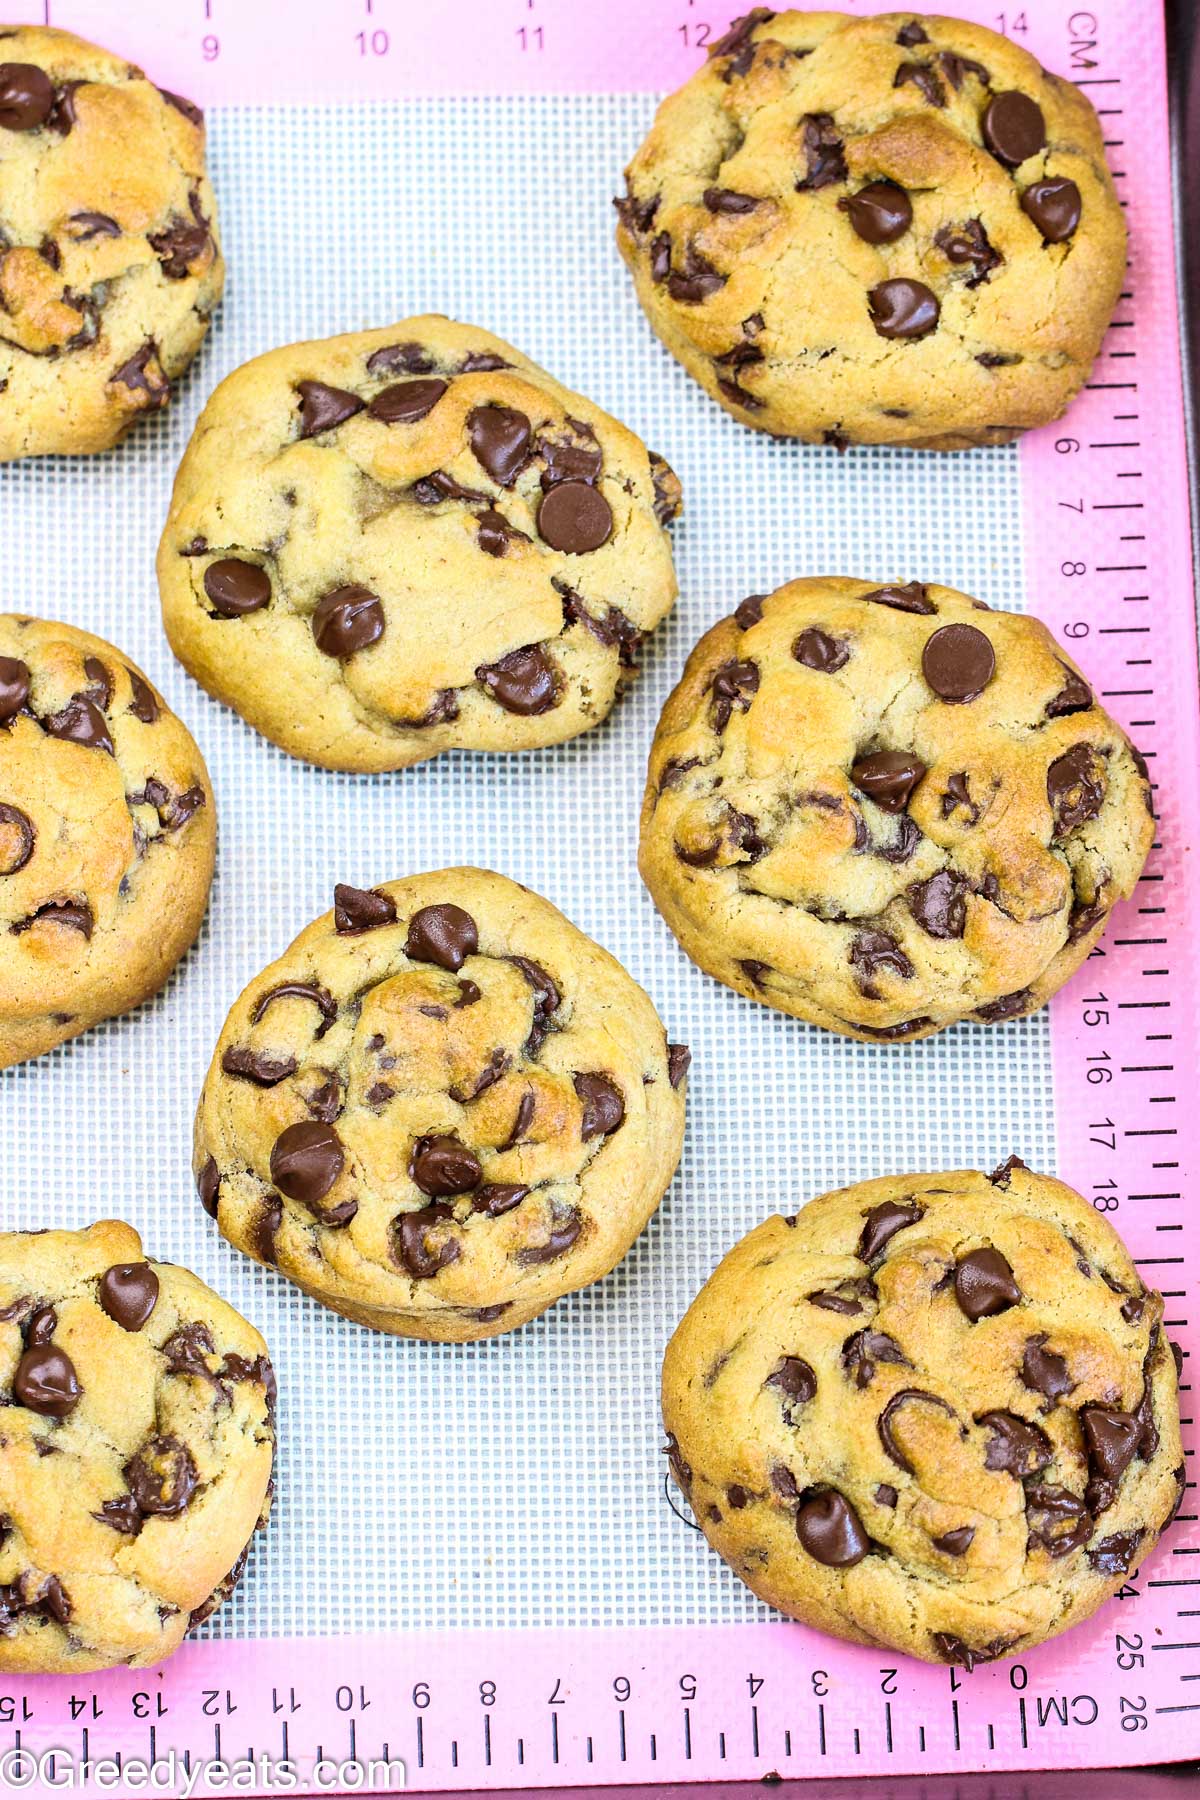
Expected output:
(969, 243)
(1059, 1521)
(356, 910)
(547, 1000)
(905, 1397)
(1006, 1007)
(796, 1381)
(886, 1494)
(443, 934)
(830, 1530)
(499, 438)
(603, 1105)
(188, 108)
(498, 1198)
(100, 691)
(740, 33)
(253, 1065)
(144, 704)
(321, 998)
(162, 1476)
(26, 96)
(574, 517)
(696, 280)
(143, 374)
(679, 1061)
(14, 687)
(824, 157)
(888, 777)
(441, 1165)
(208, 1186)
(523, 682)
(72, 915)
(1074, 696)
(1055, 206)
(80, 722)
(1013, 127)
(733, 685)
(46, 1381)
(440, 486)
(847, 1297)
(912, 33)
(956, 69)
(495, 533)
(122, 1514)
(183, 242)
(882, 1224)
(901, 308)
(409, 359)
(956, 1542)
(984, 1285)
(901, 851)
(668, 494)
(1112, 1439)
(347, 619)
(636, 215)
(924, 79)
(17, 838)
(880, 213)
(306, 1160)
(912, 597)
(817, 650)
(128, 1293)
(1014, 1445)
(861, 1352)
(1043, 1371)
(727, 200)
(1114, 1555)
(1076, 785)
(563, 1234)
(406, 401)
(958, 661)
(411, 1232)
(323, 407)
(953, 1649)
(236, 587)
(939, 905)
(660, 258)
(869, 952)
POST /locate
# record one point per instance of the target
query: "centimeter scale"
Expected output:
(1108, 566)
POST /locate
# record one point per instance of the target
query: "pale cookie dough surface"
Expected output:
(894, 230)
(933, 1413)
(136, 1455)
(109, 263)
(107, 835)
(885, 809)
(443, 1108)
(404, 541)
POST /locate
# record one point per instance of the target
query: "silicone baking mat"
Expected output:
(474, 1565)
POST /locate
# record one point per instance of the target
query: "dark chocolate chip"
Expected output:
(882, 1224)
(1112, 1439)
(80, 722)
(888, 777)
(1006, 1007)
(162, 1476)
(71, 915)
(740, 33)
(912, 33)
(257, 1066)
(886, 1494)
(1114, 1555)
(880, 213)
(406, 401)
(830, 1530)
(356, 910)
(969, 243)
(1013, 127)
(901, 308)
(864, 1350)
(728, 200)
(14, 687)
(180, 244)
(497, 1198)
(1055, 206)
(984, 1285)
(321, 998)
(679, 1061)
(734, 684)
(871, 951)
(143, 374)
(402, 359)
(958, 661)
(46, 1381)
(347, 619)
(499, 438)
(1043, 1371)
(1076, 784)
(796, 1381)
(442, 1165)
(306, 1160)
(939, 905)
(817, 650)
(956, 1542)
(696, 280)
(323, 407)
(1014, 1445)
(236, 587)
(411, 1231)
(1059, 1521)
(1074, 696)
(924, 79)
(956, 69)
(953, 1649)
(524, 681)
(208, 1186)
(824, 153)
(603, 1105)
(17, 839)
(847, 1297)
(128, 1293)
(574, 517)
(188, 108)
(905, 1397)
(26, 96)
(443, 934)
(563, 1233)
(912, 597)
(144, 704)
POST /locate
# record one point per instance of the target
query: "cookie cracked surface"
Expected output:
(136, 1456)
(893, 230)
(404, 541)
(109, 263)
(886, 809)
(443, 1108)
(934, 1413)
(107, 835)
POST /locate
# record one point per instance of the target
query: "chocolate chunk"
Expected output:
(1043, 1371)
(1114, 1555)
(162, 1476)
(882, 1224)
(847, 1297)
(411, 1234)
(547, 1000)
(17, 838)
(1076, 784)
(603, 1105)
(347, 619)
(253, 1065)
(1055, 206)
(208, 1186)
(1074, 696)
(477, 362)
(886, 1494)
(406, 401)
(440, 486)
(523, 682)
(969, 243)
(958, 661)
(924, 79)
(323, 407)
(496, 534)
(901, 308)
(1014, 1445)
(100, 691)
(443, 934)
(236, 587)
(45, 1380)
(984, 1285)
(404, 359)
(1006, 1007)
(441, 1165)
(563, 1233)
(122, 1514)
(356, 910)
(727, 200)
(824, 153)
(1112, 1439)
(880, 213)
(904, 1029)
(939, 905)
(733, 685)
(498, 1198)
(668, 494)
(574, 517)
(817, 650)
(26, 96)
(306, 1160)
(14, 687)
(830, 1530)
(499, 437)
(912, 597)
(956, 69)
(956, 1542)
(870, 952)
(796, 1381)
(679, 1061)
(80, 722)
(861, 1352)
(696, 280)
(144, 704)
(1059, 1521)
(1013, 127)
(128, 1292)
(143, 374)
(321, 998)
(660, 258)
(636, 215)
(905, 1397)
(740, 33)
(183, 242)
(888, 777)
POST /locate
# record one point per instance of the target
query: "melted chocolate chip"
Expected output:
(26, 96)
(524, 682)
(603, 1105)
(323, 407)
(1076, 784)
(128, 1293)
(498, 1198)
(45, 1380)
(441, 1165)
(236, 587)
(499, 437)
(1112, 1440)
(824, 153)
(796, 1381)
(254, 1065)
(882, 1224)
(953, 1649)
(1055, 206)
(871, 952)
(143, 704)
(905, 1397)
(161, 1477)
(80, 722)
(143, 374)
(817, 650)
(939, 905)
(984, 1285)
(1013, 127)
(356, 910)
(406, 401)
(969, 243)
(924, 79)
(14, 687)
(411, 1235)
(848, 1297)
(901, 308)
(17, 839)
(444, 934)
(888, 777)
(679, 1061)
(880, 213)
(306, 1160)
(1043, 1371)
(1114, 1555)
(1059, 1521)
(324, 1002)
(830, 1530)
(864, 1350)
(696, 280)
(208, 1186)
(958, 661)
(182, 243)
(1074, 696)
(403, 359)
(733, 685)
(1014, 1445)
(912, 597)
(347, 619)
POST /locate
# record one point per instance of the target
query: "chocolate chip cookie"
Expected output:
(412, 540)
(135, 1461)
(935, 1413)
(443, 1108)
(891, 230)
(107, 835)
(109, 263)
(885, 809)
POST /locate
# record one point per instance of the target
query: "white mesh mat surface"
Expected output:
(519, 1481)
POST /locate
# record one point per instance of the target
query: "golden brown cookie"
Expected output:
(885, 809)
(893, 230)
(935, 1413)
(410, 540)
(107, 835)
(443, 1108)
(109, 266)
(135, 1461)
